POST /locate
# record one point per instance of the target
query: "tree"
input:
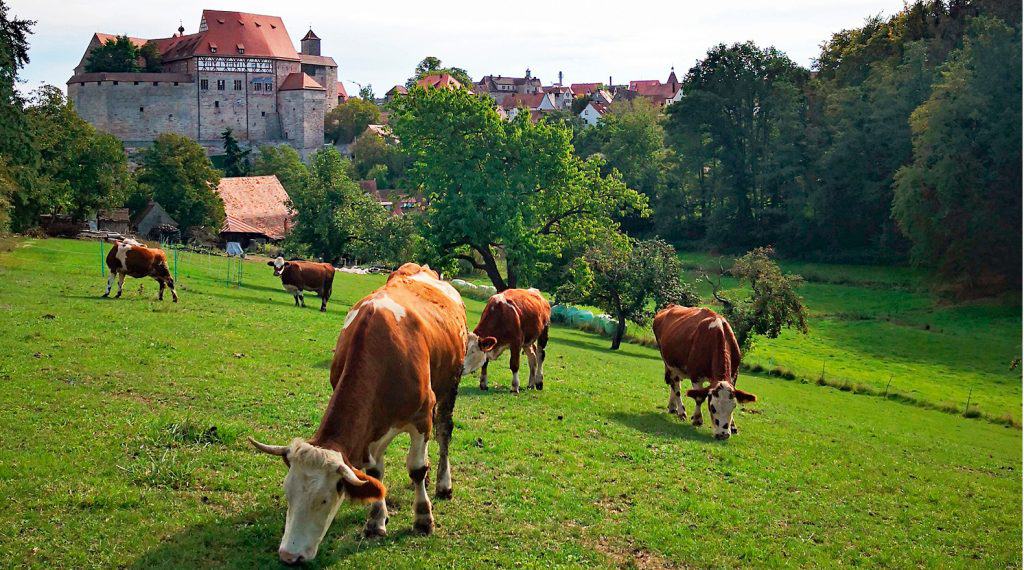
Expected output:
(373, 153)
(432, 66)
(236, 160)
(772, 304)
(15, 142)
(503, 189)
(739, 125)
(349, 119)
(366, 93)
(284, 162)
(959, 200)
(175, 172)
(114, 55)
(150, 54)
(629, 279)
(331, 212)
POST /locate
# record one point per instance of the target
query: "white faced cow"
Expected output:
(396, 370)
(699, 345)
(517, 319)
(130, 257)
(299, 276)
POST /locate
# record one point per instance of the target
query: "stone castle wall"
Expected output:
(137, 112)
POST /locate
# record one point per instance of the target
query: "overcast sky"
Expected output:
(380, 42)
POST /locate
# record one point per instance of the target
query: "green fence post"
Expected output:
(103, 266)
(175, 263)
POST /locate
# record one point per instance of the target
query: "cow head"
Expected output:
(278, 264)
(722, 399)
(478, 351)
(318, 480)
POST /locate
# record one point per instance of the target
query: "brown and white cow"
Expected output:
(130, 257)
(517, 319)
(396, 370)
(699, 344)
(299, 276)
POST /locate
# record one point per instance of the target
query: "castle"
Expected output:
(239, 71)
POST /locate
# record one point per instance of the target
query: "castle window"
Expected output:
(142, 109)
(136, 82)
(99, 83)
(263, 113)
(115, 83)
(216, 104)
(175, 83)
(203, 84)
(221, 84)
(156, 83)
(238, 85)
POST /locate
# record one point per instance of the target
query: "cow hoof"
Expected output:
(374, 531)
(323, 310)
(444, 494)
(423, 527)
(483, 386)
(107, 295)
(515, 390)
(697, 422)
(540, 386)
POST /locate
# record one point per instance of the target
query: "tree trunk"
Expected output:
(620, 328)
(491, 268)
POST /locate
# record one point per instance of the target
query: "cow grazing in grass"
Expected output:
(130, 257)
(517, 319)
(299, 276)
(396, 370)
(698, 344)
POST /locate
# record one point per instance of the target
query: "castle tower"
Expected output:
(310, 43)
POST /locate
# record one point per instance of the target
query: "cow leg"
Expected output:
(296, 297)
(443, 433)
(542, 343)
(732, 427)
(325, 294)
(531, 360)
(513, 365)
(377, 520)
(174, 292)
(110, 283)
(675, 400)
(120, 284)
(483, 376)
(377, 449)
(160, 295)
(417, 464)
(698, 417)
(302, 299)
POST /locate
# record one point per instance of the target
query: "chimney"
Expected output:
(310, 43)
(610, 82)
(559, 78)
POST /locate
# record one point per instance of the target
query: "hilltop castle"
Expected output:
(239, 71)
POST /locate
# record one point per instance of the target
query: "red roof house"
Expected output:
(255, 205)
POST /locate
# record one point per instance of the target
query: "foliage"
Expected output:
(959, 200)
(383, 160)
(773, 302)
(120, 54)
(366, 93)
(500, 188)
(630, 280)
(176, 173)
(739, 125)
(334, 218)
(432, 66)
(284, 162)
(150, 54)
(236, 160)
(15, 139)
(579, 103)
(349, 119)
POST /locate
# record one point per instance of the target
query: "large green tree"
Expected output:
(498, 190)
(236, 160)
(19, 155)
(118, 54)
(739, 124)
(284, 162)
(431, 65)
(959, 200)
(349, 119)
(176, 172)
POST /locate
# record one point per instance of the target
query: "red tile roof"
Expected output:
(584, 88)
(258, 203)
(530, 100)
(323, 60)
(130, 76)
(342, 94)
(439, 80)
(599, 106)
(298, 80)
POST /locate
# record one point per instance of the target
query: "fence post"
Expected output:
(103, 266)
(175, 264)
(969, 394)
(887, 386)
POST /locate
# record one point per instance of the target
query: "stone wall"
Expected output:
(136, 110)
(302, 119)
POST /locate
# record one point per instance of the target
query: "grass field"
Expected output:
(124, 429)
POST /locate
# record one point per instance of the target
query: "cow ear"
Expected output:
(697, 393)
(270, 263)
(487, 343)
(370, 491)
(745, 397)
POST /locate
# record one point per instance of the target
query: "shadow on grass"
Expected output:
(250, 540)
(600, 348)
(662, 424)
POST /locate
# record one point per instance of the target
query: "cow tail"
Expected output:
(722, 363)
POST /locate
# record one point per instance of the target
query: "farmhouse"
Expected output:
(255, 208)
(238, 71)
(593, 112)
(154, 222)
(499, 87)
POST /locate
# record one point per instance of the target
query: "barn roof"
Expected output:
(258, 203)
(298, 81)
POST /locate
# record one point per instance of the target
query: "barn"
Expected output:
(256, 209)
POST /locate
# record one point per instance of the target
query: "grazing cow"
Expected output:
(699, 344)
(130, 257)
(299, 276)
(517, 319)
(396, 370)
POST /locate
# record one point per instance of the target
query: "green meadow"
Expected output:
(125, 422)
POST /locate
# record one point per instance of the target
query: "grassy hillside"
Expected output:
(124, 431)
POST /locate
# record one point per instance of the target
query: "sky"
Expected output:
(380, 43)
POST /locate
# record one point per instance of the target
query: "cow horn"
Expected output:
(280, 450)
(350, 476)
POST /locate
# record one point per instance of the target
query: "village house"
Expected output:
(593, 112)
(239, 71)
(153, 222)
(255, 208)
(535, 103)
(439, 80)
(499, 87)
(659, 93)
